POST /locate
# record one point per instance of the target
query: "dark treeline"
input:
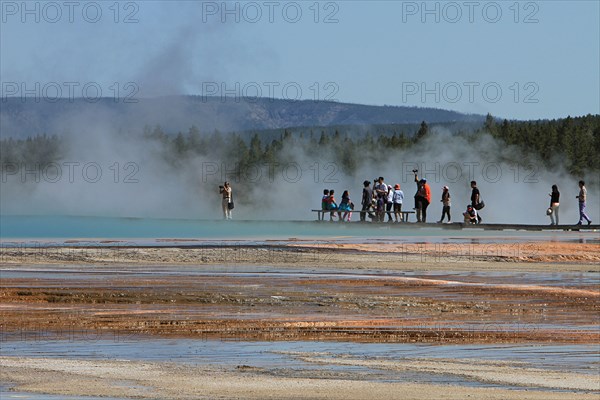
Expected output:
(251, 148)
(571, 142)
(41, 149)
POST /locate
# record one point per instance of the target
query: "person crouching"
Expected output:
(470, 215)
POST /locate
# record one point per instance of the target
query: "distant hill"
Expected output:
(22, 118)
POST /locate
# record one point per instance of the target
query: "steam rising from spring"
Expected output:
(105, 173)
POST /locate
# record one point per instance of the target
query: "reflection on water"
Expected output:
(276, 357)
(66, 273)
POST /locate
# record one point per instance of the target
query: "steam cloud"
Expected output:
(137, 181)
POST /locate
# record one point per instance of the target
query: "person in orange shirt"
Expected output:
(426, 198)
(422, 197)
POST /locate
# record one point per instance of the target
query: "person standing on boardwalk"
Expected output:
(476, 199)
(366, 201)
(226, 194)
(389, 203)
(418, 196)
(397, 199)
(445, 204)
(426, 199)
(381, 191)
(422, 198)
(380, 188)
(554, 203)
(582, 199)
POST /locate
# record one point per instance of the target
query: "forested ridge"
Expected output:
(574, 142)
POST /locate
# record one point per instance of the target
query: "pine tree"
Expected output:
(422, 132)
(490, 124)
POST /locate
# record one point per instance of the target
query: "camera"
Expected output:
(221, 186)
(415, 171)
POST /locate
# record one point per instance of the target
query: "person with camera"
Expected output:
(422, 197)
(417, 196)
(227, 200)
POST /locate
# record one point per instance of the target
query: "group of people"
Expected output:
(382, 199)
(376, 202)
(423, 200)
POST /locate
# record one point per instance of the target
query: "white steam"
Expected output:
(137, 181)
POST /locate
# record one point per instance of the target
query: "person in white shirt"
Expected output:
(380, 188)
(582, 199)
(380, 192)
(389, 202)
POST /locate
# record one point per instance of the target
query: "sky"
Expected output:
(516, 60)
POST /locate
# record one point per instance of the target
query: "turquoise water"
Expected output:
(66, 227)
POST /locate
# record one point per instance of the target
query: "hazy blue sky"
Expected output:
(537, 59)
